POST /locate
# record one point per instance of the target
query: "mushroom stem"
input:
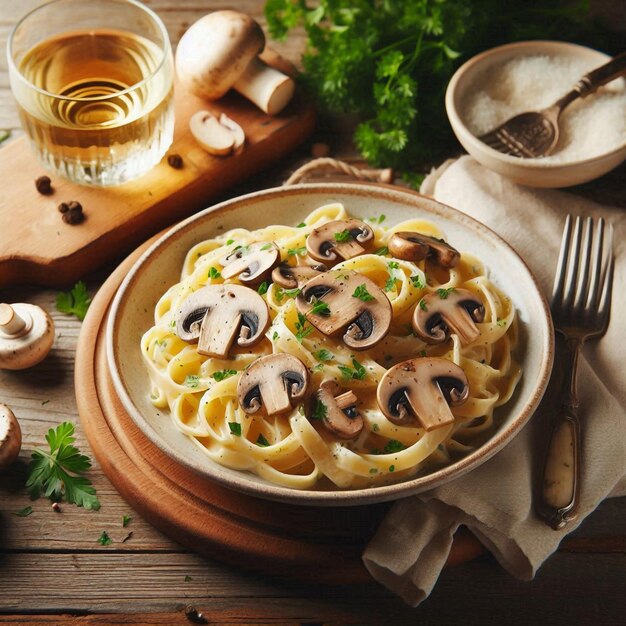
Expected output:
(10, 321)
(346, 399)
(268, 88)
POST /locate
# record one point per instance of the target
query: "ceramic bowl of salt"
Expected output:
(530, 75)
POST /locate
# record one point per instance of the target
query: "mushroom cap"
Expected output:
(341, 417)
(217, 314)
(252, 264)
(412, 246)
(272, 384)
(10, 437)
(215, 51)
(31, 345)
(323, 245)
(456, 312)
(293, 276)
(363, 323)
(423, 388)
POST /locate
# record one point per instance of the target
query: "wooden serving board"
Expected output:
(322, 545)
(36, 246)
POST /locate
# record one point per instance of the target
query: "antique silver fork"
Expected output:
(581, 303)
(535, 134)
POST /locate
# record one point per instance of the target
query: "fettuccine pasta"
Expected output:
(293, 449)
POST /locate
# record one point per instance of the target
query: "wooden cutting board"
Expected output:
(36, 246)
(316, 544)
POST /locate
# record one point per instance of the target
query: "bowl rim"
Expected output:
(337, 497)
(459, 127)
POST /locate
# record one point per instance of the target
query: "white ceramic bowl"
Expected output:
(159, 267)
(532, 172)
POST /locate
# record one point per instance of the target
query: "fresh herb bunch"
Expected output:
(390, 60)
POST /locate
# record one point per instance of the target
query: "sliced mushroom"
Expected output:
(339, 238)
(448, 311)
(412, 246)
(293, 276)
(215, 315)
(341, 416)
(364, 320)
(210, 134)
(251, 264)
(273, 384)
(423, 389)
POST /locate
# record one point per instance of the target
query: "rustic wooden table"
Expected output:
(52, 570)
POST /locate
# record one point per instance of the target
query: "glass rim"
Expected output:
(14, 70)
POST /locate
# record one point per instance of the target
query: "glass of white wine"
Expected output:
(93, 82)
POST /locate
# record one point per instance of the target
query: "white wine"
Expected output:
(102, 110)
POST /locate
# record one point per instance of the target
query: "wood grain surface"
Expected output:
(53, 571)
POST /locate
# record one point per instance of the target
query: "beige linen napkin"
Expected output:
(494, 500)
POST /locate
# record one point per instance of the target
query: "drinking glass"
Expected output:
(93, 83)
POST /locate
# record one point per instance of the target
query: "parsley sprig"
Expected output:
(357, 372)
(58, 472)
(362, 293)
(74, 302)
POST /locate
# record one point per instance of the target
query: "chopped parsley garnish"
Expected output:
(317, 368)
(230, 241)
(262, 441)
(297, 251)
(362, 293)
(188, 578)
(320, 308)
(267, 246)
(323, 355)
(25, 512)
(235, 428)
(320, 411)
(280, 293)
(423, 305)
(192, 381)
(301, 225)
(392, 468)
(390, 285)
(275, 335)
(104, 539)
(223, 375)
(59, 470)
(382, 251)
(382, 217)
(423, 353)
(416, 279)
(373, 470)
(393, 445)
(126, 520)
(444, 293)
(75, 302)
(358, 373)
(501, 323)
(375, 427)
(262, 288)
(344, 235)
(393, 265)
(302, 330)
(214, 272)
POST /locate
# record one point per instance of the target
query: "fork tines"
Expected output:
(503, 141)
(582, 286)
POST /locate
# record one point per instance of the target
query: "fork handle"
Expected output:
(594, 79)
(558, 502)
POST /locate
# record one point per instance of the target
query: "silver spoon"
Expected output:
(535, 133)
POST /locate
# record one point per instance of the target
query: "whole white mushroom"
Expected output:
(10, 437)
(220, 52)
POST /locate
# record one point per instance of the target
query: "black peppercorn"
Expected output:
(72, 212)
(44, 185)
(175, 161)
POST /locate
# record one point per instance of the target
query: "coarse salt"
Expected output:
(589, 127)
